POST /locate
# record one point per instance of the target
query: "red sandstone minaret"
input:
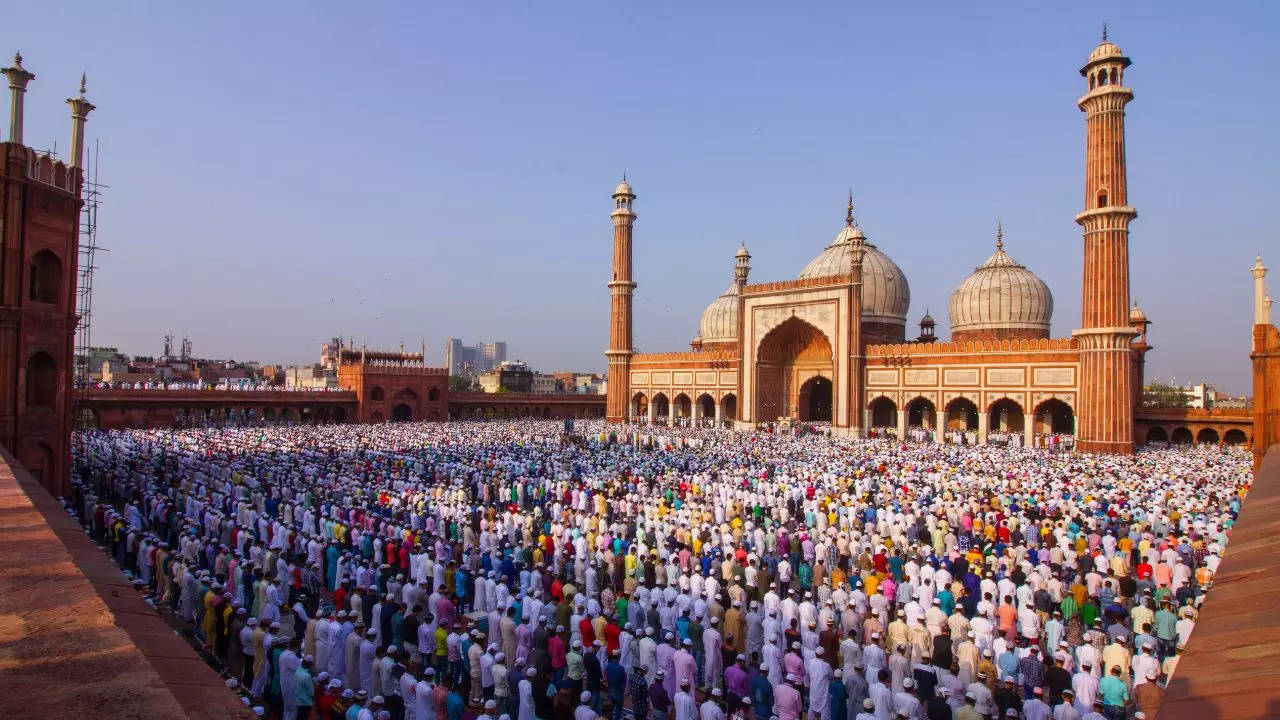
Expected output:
(1105, 405)
(621, 288)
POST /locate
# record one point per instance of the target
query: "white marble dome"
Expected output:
(885, 293)
(720, 319)
(1001, 295)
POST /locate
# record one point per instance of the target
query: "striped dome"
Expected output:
(720, 319)
(1001, 295)
(885, 293)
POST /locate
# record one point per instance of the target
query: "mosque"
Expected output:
(831, 344)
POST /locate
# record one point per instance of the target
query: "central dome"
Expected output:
(885, 293)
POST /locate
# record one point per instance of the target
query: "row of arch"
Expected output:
(1182, 435)
(196, 417)
(1003, 415)
(682, 407)
(224, 416)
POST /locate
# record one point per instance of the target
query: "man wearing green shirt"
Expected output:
(1166, 629)
(1114, 695)
(574, 668)
(1088, 613)
(1068, 607)
(305, 688)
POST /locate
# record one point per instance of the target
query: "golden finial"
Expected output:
(1104, 32)
(848, 217)
(999, 237)
(17, 59)
(83, 80)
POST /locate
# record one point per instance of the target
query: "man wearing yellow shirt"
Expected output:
(871, 583)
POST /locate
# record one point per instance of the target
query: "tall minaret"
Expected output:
(621, 288)
(851, 420)
(1104, 412)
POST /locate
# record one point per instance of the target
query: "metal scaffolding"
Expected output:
(89, 248)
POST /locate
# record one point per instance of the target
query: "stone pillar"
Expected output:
(80, 109)
(983, 419)
(719, 405)
(902, 423)
(1029, 430)
(18, 79)
(653, 411)
(1261, 304)
(696, 412)
(671, 412)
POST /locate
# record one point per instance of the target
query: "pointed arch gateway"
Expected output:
(791, 355)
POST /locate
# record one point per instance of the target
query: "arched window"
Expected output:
(46, 277)
(433, 394)
(1102, 77)
(42, 381)
(377, 395)
(1093, 81)
(1102, 198)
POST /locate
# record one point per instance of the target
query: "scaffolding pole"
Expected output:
(88, 250)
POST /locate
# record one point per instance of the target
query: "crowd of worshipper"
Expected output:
(163, 384)
(443, 571)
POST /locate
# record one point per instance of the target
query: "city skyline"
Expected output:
(505, 231)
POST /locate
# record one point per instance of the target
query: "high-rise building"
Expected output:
(473, 359)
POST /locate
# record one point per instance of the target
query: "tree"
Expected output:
(1160, 395)
(461, 383)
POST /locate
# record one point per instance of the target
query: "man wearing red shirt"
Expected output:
(611, 632)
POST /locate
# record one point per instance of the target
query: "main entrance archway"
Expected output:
(815, 399)
(791, 355)
(401, 413)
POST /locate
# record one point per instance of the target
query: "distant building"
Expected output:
(507, 377)
(125, 374)
(98, 356)
(546, 384)
(329, 354)
(1225, 401)
(315, 376)
(1199, 396)
(472, 359)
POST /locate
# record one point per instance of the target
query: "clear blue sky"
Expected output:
(281, 172)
